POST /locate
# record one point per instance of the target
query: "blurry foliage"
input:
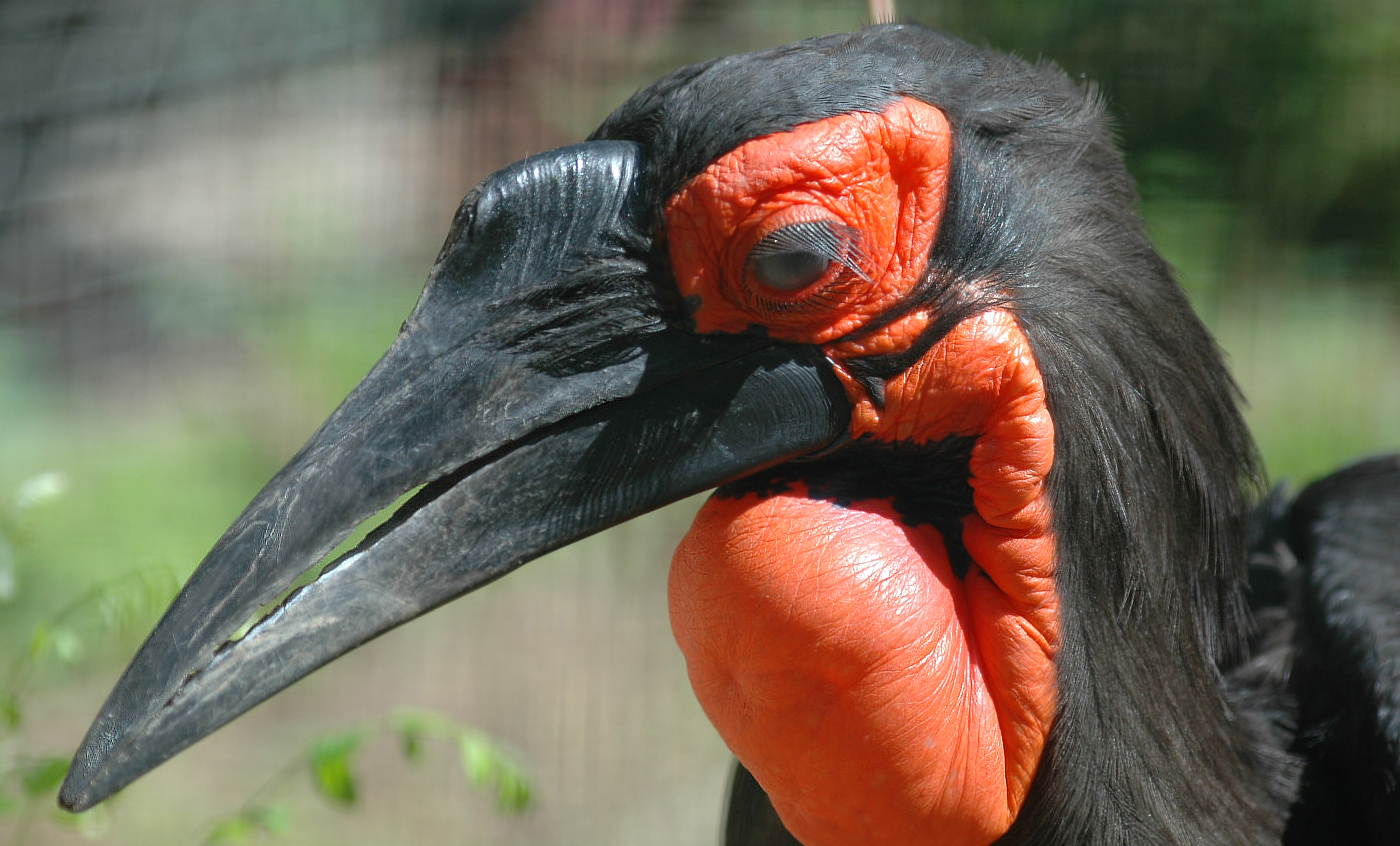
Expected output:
(30, 778)
(1284, 112)
(330, 762)
(61, 639)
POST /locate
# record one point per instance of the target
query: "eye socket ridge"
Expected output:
(796, 256)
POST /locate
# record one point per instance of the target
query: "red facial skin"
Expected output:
(875, 696)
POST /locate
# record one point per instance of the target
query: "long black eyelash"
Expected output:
(829, 239)
(826, 297)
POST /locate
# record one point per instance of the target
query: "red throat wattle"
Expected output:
(876, 696)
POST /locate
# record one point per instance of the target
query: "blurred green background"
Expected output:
(214, 216)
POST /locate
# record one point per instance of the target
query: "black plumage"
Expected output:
(1339, 548)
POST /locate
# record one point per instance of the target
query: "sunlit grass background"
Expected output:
(212, 222)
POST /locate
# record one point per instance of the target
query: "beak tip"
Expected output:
(91, 778)
(87, 786)
(75, 796)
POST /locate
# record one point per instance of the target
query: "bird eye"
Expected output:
(800, 254)
(791, 270)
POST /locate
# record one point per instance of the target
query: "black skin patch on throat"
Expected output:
(927, 484)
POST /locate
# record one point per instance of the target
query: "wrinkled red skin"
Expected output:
(876, 697)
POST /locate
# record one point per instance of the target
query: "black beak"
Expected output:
(538, 393)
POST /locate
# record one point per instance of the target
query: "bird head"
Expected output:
(979, 466)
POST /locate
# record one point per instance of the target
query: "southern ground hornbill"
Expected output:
(981, 566)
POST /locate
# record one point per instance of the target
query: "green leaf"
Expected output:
(230, 831)
(10, 713)
(513, 792)
(38, 642)
(242, 827)
(330, 766)
(336, 780)
(412, 727)
(44, 776)
(486, 765)
(478, 759)
(411, 745)
(275, 819)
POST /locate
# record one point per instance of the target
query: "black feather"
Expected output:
(749, 817)
(1344, 533)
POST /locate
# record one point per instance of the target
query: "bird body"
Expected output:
(978, 566)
